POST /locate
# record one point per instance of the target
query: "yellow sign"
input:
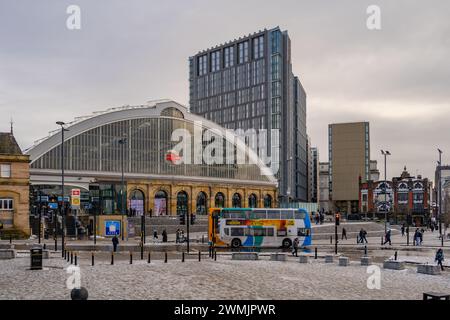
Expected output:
(76, 202)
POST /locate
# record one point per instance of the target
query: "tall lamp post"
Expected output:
(440, 193)
(60, 123)
(385, 154)
(122, 193)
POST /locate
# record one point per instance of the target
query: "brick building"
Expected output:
(404, 199)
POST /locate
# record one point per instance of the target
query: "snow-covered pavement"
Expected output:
(209, 279)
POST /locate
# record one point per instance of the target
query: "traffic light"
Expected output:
(182, 219)
(192, 218)
(338, 217)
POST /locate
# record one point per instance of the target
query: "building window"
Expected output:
(6, 204)
(243, 52)
(202, 65)
(258, 47)
(228, 57)
(252, 201)
(219, 200)
(268, 201)
(182, 203)
(5, 171)
(161, 203)
(202, 204)
(237, 202)
(215, 61)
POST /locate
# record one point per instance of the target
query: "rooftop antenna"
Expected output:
(12, 124)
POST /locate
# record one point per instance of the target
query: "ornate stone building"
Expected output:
(154, 180)
(14, 185)
(404, 199)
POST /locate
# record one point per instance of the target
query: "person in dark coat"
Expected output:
(164, 235)
(388, 238)
(440, 258)
(115, 242)
(295, 247)
(344, 234)
(403, 230)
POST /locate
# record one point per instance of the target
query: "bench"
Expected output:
(7, 254)
(303, 259)
(278, 257)
(394, 265)
(344, 261)
(436, 296)
(429, 269)
(366, 261)
(244, 256)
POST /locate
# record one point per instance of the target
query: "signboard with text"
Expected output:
(112, 228)
(75, 198)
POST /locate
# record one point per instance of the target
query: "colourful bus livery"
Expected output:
(234, 227)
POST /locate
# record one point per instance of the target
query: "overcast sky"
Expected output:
(129, 52)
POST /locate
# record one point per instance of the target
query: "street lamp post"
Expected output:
(122, 194)
(440, 194)
(385, 154)
(60, 123)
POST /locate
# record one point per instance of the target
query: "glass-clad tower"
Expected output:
(247, 83)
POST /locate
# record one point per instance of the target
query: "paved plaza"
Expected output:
(209, 279)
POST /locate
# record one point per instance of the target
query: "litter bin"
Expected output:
(36, 258)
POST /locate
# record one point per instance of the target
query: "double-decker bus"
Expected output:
(236, 227)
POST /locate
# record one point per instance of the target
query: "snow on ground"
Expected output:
(208, 279)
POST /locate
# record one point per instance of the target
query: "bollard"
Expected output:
(45, 246)
(71, 257)
(148, 260)
(142, 252)
(165, 257)
(199, 256)
(112, 258)
(92, 258)
(131, 257)
(68, 255)
(182, 256)
(442, 240)
(76, 260)
(315, 253)
(10, 239)
(365, 250)
(215, 255)
(395, 256)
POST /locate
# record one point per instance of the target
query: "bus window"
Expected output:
(299, 215)
(273, 214)
(287, 214)
(259, 232)
(260, 215)
(237, 232)
(270, 232)
(281, 232)
(227, 231)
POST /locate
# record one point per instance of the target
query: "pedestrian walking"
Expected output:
(403, 230)
(295, 247)
(177, 235)
(155, 234)
(387, 238)
(363, 237)
(164, 235)
(344, 234)
(115, 242)
(440, 258)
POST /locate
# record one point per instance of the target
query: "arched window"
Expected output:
(268, 201)
(182, 203)
(202, 207)
(172, 112)
(219, 201)
(237, 201)
(252, 201)
(403, 186)
(418, 185)
(160, 208)
(136, 204)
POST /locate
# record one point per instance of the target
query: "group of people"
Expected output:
(179, 236)
(164, 235)
(362, 236)
(319, 217)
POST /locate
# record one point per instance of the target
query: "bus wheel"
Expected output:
(287, 243)
(235, 243)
